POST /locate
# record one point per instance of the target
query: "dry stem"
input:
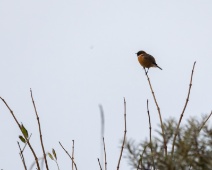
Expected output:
(105, 154)
(73, 154)
(69, 155)
(25, 144)
(205, 122)
(99, 164)
(22, 156)
(150, 135)
(33, 152)
(158, 108)
(187, 99)
(41, 139)
(141, 157)
(125, 131)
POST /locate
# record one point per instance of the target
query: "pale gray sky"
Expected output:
(78, 54)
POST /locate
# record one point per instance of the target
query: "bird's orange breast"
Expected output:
(144, 62)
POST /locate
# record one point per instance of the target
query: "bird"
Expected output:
(146, 60)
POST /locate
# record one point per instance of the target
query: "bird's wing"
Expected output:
(150, 58)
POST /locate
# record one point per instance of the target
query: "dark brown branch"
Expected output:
(184, 108)
(41, 139)
(158, 108)
(150, 135)
(99, 164)
(22, 156)
(32, 150)
(69, 155)
(105, 154)
(125, 131)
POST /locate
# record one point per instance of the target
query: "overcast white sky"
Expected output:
(78, 54)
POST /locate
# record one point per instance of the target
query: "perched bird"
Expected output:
(146, 60)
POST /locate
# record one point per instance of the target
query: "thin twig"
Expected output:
(205, 122)
(33, 152)
(141, 157)
(25, 144)
(99, 164)
(57, 165)
(73, 154)
(41, 139)
(125, 131)
(102, 120)
(105, 154)
(22, 156)
(187, 99)
(69, 155)
(158, 108)
(150, 135)
(102, 128)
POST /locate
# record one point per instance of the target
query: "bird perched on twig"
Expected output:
(146, 60)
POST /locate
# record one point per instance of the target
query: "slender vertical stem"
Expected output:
(39, 126)
(105, 154)
(102, 129)
(125, 131)
(184, 108)
(150, 135)
(161, 121)
(73, 154)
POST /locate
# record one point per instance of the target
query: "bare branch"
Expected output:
(22, 156)
(158, 108)
(141, 157)
(105, 154)
(41, 139)
(99, 164)
(150, 135)
(205, 122)
(69, 155)
(73, 154)
(125, 131)
(187, 99)
(32, 150)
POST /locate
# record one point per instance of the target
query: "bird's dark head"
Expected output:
(140, 52)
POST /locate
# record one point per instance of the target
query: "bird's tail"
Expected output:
(159, 67)
(155, 65)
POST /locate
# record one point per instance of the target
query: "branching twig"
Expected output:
(69, 155)
(105, 154)
(205, 122)
(41, 139)
(22, 156)
(187, 99)
(150, 135)
(125, 131)
(158, 108)
(99, 164)
(33, 152)
(25, 144)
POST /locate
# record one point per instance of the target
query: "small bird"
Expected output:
(146, 60)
